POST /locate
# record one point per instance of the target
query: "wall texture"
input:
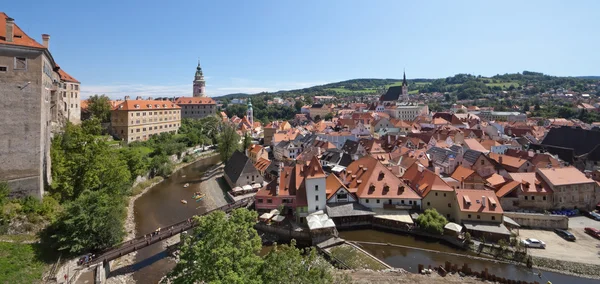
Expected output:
(540, 221)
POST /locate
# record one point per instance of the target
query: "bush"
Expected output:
(432, 222)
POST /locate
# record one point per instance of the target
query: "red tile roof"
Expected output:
(470, 200)
(425, 179)
(146, 105)
(195, 101)
(19, 37)
(262, 164)
(65, 76)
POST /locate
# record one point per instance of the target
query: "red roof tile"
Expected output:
(195, 101)
(19, 37)
(146, 105)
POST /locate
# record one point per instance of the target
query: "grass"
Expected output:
(137, 189)
(355, 259)
(144, 150)
(344, 90)
(20, 263)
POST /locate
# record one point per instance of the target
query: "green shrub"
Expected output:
(432, 222)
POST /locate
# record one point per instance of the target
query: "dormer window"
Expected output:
(371, 188)
(381, 175)
(137, 106)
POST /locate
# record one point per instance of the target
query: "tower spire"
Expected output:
(404, 79)
(199, 83)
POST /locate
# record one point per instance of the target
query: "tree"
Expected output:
(298, 105)
(432, 222)
(461, 111)
(220, 250)
(99, 107)
(247, 141)
(92, 126)
(93, 221)
(300, 266)
(328, 116)
(136, 162)
(228, 142)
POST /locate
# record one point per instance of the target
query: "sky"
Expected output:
(152, 47)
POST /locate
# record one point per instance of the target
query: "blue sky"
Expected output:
(151, 47)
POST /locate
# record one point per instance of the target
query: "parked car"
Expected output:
(533, 243)
(594, 215)
(593, 232)
(565, 234)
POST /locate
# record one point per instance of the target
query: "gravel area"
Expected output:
(582, 222)
(585, 249)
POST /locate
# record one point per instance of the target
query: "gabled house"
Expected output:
(354, 149)
(572, 189)
(301, 189)
(483, 165)
(335, 160)
(436, 193)
(478, 206)
(468, 178)
(256, 152)
(525, 191)
(513, 164)
(377, 187)
(445, 159)
(240, 171)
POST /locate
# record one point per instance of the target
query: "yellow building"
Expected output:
(138, 120)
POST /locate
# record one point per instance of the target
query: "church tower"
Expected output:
(250, 114)
(199, 83)
(404, 88)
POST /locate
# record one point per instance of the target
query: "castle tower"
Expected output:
(199, 83)
(250, 114)
(404, 88)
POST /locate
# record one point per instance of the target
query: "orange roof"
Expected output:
(19, 37)
(512, 163)
(507, 188)
(262, 164)
(530, 183)
(488, 143)
(470, 200)
(473, 144)
(314, 169)
(66, 77)
(461, 172)
(332, 184)
(255, 148)
(146, 105)
(495, 180)
(195, 101)
(564, 176)
(425, 179)
(373, 180)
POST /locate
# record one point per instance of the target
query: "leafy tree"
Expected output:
(100, 107)
(221, 250)
(317, 118)
(228, 142)
(432, 222)
(300, 266)
(328, 116)
(247, 141)
(92, 126)
(298, 106)
(92, 222)
(136, 161)
(161, 165)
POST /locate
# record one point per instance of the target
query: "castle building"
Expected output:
(31, 86)
(199, 83)
(138, 120)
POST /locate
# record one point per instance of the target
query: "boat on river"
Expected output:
(186, 185)
(198, 196)
(183, 201)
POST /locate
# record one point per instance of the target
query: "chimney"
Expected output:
(10, 24)
(150, 98)
(462, 182)
(127, 98)
(437, 171)
(483, 201)
(500, 160)
(389, 139)
(46, 40)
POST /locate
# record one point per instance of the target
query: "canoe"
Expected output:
(183, 201)
(186, 185)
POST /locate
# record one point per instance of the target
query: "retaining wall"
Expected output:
(539, 221)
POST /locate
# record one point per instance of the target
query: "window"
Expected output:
(316, 198)
(543, 197)
(469, 216)
(3, 68)
(317, 208)
(436, 194)
(428, 203)
(526, 197)
(20, 63)
(377, 201)
(260, 200)
(449, 205)
(478, 216)
(269, 201)
(316, 188)
(444, 195)
(532, 197)
(366, 200)
(402, 201)
(482, 162)
(493, 218)
(342, 196)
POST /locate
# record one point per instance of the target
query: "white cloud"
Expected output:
(234, 85)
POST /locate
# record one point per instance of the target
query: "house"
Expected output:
(240, 171)
(574, 145)
(300, 188)
(473, 144)
(481, 214)
(262, 165)
(513, 164)
(445, 159)
(337, 138)
(525, 191)
(354, 149)
(319, 111)
(256, 152)
(477, 161)
(377, 187)
(571, 188)
(335, 160)
(436, 193)
(287, 150)
(468, 178)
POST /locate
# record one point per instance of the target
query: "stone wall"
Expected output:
(540, 221)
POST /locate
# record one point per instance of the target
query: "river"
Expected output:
(409, 259)
(161, 206)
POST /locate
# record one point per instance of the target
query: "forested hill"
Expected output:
(464, 86)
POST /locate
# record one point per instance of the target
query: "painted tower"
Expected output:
(404, 88)
(250, 114)
(199, 83)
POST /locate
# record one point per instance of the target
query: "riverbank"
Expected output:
(399, 276)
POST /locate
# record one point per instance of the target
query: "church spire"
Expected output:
(404, 79)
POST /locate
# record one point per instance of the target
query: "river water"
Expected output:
(161, 206)
(409, 259)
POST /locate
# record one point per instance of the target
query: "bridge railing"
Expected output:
(138, 242)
